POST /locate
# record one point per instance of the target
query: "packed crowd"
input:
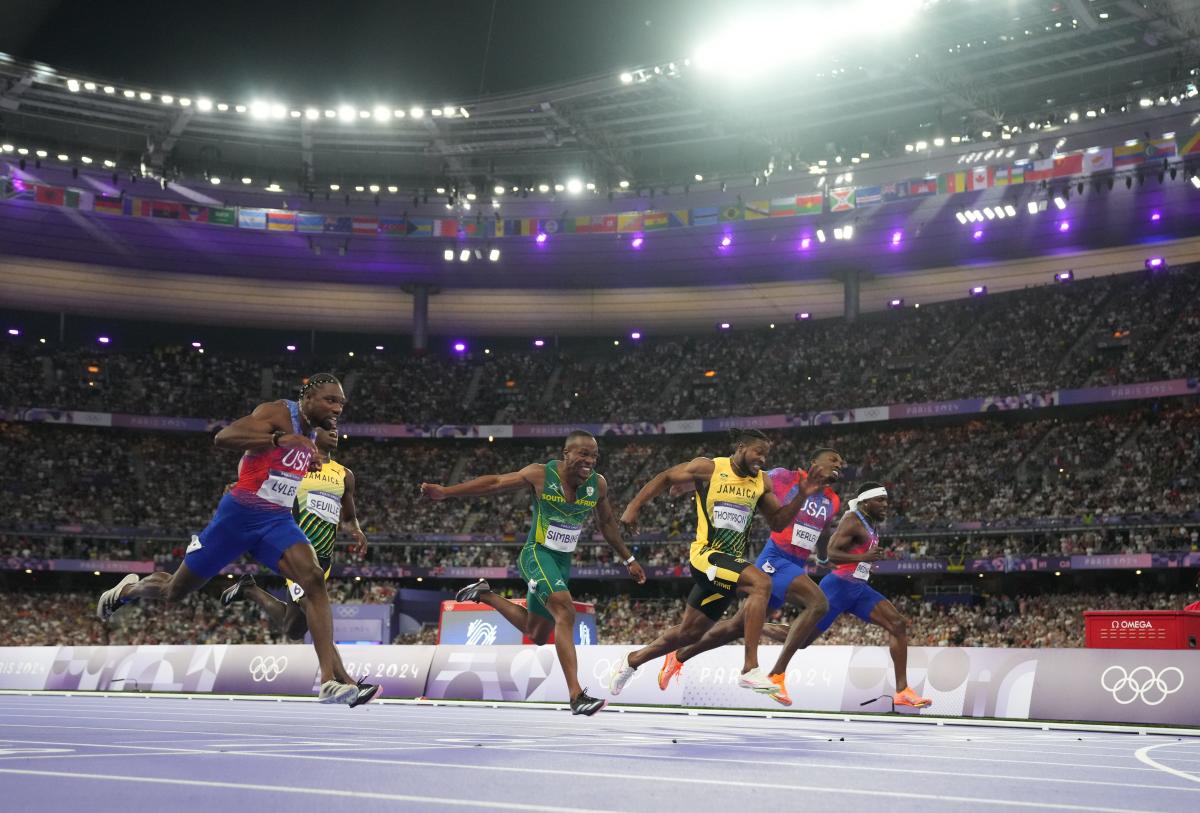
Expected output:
(1121, 329)
(995, 473)
(38, 618)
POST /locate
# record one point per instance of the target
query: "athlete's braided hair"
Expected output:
(317, 380)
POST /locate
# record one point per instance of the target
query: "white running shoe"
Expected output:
(757, 680)
(621, 674)
(109, 601)
(333, 691)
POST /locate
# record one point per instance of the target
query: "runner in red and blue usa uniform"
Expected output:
(784, 559)
(852, 549)
(255, 517)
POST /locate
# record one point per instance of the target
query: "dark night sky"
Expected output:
(360, 50)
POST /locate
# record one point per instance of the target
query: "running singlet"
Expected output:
(859, 570)
(725, 510)
(271, 478)
(319, 506)
(800, 539)
(557, 524)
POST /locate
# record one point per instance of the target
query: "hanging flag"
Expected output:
(1159, 148)
(629, 222)
(810, 204)
(1066, 164)
(107, 205)
(756, 210)
(1129, 154)
(389, 226)
(920, 187)
(652, 221)
(603, 224)
(1016, 175)
(339, 225)
(868, 195)
(1098, 160)
(783, 207)
(442, 226)
(1192, 145)
(252, 219)
(894, 191)
(566, 225)
(982, 178)
(49, 195)
(222, 216)
(680, 218)
(193, 214)
(281, 221)
(705, 216)
(308, 222)
(730, 214)
(950, 183)
(473, 228)
(420, 227)
(841, 199)
(1040, 171)
(363, 224)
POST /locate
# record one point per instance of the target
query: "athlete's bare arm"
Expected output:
(850, 532)
(255, 432)
(700, 468)
(532, 476)
(350, 518)
(779, 516)
(606, 521)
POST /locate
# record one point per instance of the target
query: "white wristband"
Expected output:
(630, 560)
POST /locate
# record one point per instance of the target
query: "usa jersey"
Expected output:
(269, 479)
(859, 570)
(799, 539)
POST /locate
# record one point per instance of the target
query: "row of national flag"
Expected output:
(836, 199)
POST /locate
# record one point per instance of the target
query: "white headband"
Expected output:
(869, 494)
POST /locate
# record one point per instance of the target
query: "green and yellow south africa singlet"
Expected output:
(725, 510)
(319, 507)
(557, 523)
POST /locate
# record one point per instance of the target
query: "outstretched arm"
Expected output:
(488, 485)
(700, 468)
(606, 521)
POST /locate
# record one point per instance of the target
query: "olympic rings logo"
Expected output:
(1142, 682)
(267, 668)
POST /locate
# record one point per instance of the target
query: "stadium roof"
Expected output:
(964, 68)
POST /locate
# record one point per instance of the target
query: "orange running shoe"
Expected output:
(670, 668)
(782, 695)
(910, 698)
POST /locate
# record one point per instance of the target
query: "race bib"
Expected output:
(562, 538)
(804, 536)
(863, 571)
(280, 488)
(730, 516)
(326, 506)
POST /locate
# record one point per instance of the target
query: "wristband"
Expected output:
(275, 436)
(822, 562)
(630, 560)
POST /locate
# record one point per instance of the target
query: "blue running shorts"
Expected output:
(236, 529)
(847, 596)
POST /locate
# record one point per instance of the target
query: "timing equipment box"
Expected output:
(1145, 629)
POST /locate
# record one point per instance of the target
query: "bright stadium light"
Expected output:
(448, 255)
(494, 255)
(574, 186)
(464, 255)
(382, 114)
(626, 78)
(1032, 207)
(259, 110)
(312, 113)
(417, 112)
(346, 113)
(623, 184)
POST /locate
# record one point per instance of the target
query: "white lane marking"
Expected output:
(1143, 755)
(489, 804)
(874, 768)
(891, 794)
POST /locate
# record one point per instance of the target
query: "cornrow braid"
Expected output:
(318, 380)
